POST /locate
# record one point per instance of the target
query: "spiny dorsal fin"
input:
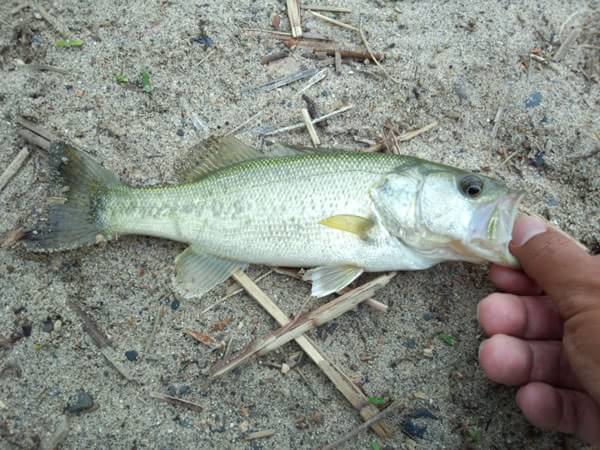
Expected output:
(356, 225)
(215, 153)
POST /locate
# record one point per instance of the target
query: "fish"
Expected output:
(336, 213)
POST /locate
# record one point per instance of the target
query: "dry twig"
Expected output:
(315, 121)
(100, 339)
(382, 415)
(176, 401)
(259, 435)
(274, 84)
(411, 134)
(334, 9)
(293, 11)
(13, 167)
(352, 393)
(333, 21)
(157, 321)
(375, 60)
(310, 127)
(13, 236)
(302, 324)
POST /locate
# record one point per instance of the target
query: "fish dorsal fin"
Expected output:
(329, 279)
(215, 153)
(196, 272)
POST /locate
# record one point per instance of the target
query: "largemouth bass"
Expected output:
(339, 213)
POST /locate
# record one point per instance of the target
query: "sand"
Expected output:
(455, 63)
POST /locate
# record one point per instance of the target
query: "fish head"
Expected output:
(448, 213)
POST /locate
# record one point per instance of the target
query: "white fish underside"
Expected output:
(267, 212)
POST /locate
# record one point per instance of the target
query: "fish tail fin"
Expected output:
(77, 218)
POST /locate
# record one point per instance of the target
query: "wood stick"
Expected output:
(302, 125)
(359, 55)
(348, 389)
(176, 401)
(45, 68)
(310, 127)
(375, 60)
(319, 76)
(259, 435)
(48, 18)
(280, 82)
(231, 294)
(157, 321)
(335, 9)
(293, 11)
(100, 339)
(36, 129)
(411, 134)
(564, 47)
(13, 167)
(338, 61)
(333, 21)
(275, 56)
(302, 324)
(382, 415)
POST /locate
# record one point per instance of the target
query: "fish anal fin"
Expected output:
(356, 225)
(196, 272)
(215, 153)
(329, 279)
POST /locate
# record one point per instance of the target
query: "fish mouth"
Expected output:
(491, 229)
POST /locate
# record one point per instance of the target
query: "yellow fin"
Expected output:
(357, 225)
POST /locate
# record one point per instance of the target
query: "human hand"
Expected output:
(544, 332)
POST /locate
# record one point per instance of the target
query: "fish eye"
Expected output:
(471, 186)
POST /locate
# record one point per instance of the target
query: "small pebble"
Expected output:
(27, 329)
(57, 325)
(535, 99)
(180, 132)
(184, 389)
(204, 40)
(410, 343)
(538, 160)
(172, 390)
(48, 325)
(131, 355)
(84, 402)
(412, 429)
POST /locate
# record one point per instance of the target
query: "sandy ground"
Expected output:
(456, 63)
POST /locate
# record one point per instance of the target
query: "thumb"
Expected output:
(559, 264)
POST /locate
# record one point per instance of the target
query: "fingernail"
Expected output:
(481, 349)
(525, 228)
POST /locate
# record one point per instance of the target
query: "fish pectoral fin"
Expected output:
(329, 279)
(215, 153)
(357, 225)
(196, 272)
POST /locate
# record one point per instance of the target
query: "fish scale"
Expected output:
(267, 211)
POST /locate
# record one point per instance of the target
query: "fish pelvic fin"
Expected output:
(79, 186)
(329, 279)
(197, 272)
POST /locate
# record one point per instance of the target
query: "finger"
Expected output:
(563, 410)
(523, 317)
(513, 281)
(514, 362)
(558, 264)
